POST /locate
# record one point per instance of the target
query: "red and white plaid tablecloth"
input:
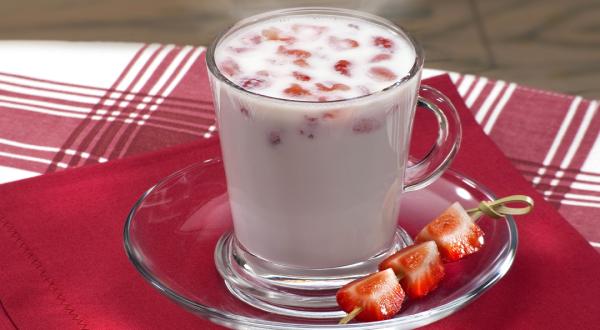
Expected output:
(66, 104)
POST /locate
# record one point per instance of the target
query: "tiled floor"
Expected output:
(550, 44)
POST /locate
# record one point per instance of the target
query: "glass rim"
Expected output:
(415, 69)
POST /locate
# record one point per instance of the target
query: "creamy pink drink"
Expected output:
(314, 168)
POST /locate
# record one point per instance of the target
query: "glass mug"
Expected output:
(314, 210)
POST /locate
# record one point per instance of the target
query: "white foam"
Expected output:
(267, 56)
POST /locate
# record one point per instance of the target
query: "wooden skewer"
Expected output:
(495, 209)
(351, 315)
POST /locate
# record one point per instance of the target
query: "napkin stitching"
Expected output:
(10, 229)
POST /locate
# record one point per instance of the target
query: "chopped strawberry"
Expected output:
(365, 125)
(229, 67)
(343, 67)
(333, 114)
(330, 87)
(380, 57)
(299, 53)
(251, 39)
(383, 42)
(455, 234)
(343, 44)
(381, 73)
(253, 83)
(419, 267)
(296, 90)
(274, 34)
(301, 62)
(274, 138)
(301, 76)
(379, 296)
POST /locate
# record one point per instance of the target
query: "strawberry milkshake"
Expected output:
(315, 109)
(314, 113)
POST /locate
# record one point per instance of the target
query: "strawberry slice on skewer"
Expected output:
(419, 268)
(376, 297)
(454, 232)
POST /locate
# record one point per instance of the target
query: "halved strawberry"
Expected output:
(379, 296)
(455, 234)
(419, 268)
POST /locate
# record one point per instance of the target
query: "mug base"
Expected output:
(284, 290)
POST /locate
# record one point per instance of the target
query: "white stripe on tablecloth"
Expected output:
(586, 186)
(159, 55)
(9, 174)
(137, 66)
(498, 109)
(581, 130)
(183, 71)
(49, 85)
(476, 91)
(483, 110)
(147, 74)
(46, 104)
(588, 177)
(40, 110)
(98, 118)
(558, 138)
(47, 148)
(30, 158)
(582, 197)
(575, 203)
(57, 109)
(595, 244)
(465, 84)
(196, 53)
(49, 94)
(169, 71)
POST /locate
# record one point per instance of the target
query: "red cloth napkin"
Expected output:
(63, 266)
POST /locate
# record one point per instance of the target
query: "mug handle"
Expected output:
(424, 172)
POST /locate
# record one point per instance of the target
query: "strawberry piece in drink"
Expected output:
(376, 297)
(251, 39)
(298, 53)
(296, 90)
(301, 62)
(454, 232)
(382, 42)
(343, 67)
(380, 57)
(275, 34)
(229, 67)
(330, 87)
(382, 74)
(301, 76)
(419, 268)
(343, 44)
(253, 83)
(365, 125)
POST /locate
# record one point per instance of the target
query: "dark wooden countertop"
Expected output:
(549, 44)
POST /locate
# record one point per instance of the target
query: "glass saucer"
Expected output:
(173, 229)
